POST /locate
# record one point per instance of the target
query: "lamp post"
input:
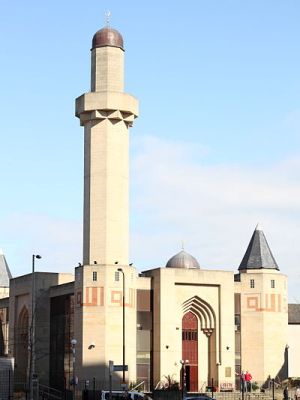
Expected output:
(286, 356)
(73, 344)
(33, 309)
(123, 309)
(183, 377)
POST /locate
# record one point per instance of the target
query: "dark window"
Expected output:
(117, 276)
(252, 284)
(189, 334)
(272, 283)
(94, 275)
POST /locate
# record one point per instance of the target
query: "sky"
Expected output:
(215, 150)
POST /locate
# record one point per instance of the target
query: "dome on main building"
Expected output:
(183, 260)
(108, 37)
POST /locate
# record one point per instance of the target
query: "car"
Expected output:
(199, 397)
(121, 395)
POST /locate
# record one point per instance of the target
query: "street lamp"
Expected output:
(286, 359)
(183, 377)
(73, 344)
(123, 308)
(33, 309)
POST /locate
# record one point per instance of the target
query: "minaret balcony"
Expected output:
(103, 105)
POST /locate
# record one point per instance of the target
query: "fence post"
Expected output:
(8, 385)
(94, 388)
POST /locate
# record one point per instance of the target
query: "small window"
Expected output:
(94, 276)
(252, 283)
(237, 319)
(117, 276)
(272, 283)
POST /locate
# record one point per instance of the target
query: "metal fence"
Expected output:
(11, 389)
(6, 384)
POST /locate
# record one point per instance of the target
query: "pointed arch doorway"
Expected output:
(199, 316)
(22, 344)
(190, 351)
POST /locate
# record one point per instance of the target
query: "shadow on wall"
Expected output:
(282, 374)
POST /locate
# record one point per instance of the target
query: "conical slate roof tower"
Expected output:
(5, 274)
(258, 254)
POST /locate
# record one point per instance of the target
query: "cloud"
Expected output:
(178, 195)
(58, 240)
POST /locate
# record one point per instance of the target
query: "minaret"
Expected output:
(103, 295)
(106, 114)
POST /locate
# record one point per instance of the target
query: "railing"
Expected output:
(48, 393)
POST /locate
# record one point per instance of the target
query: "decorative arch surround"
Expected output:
(203, 311)
(209, 343)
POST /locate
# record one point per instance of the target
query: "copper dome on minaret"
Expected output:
(107, 37)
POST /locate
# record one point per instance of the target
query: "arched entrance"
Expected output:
(199, 317)
(190, 351)
(22, 344)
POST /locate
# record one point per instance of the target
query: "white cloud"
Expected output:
(212, 208)
(177, 195)
(58, 241)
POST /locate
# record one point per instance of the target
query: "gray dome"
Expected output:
(183, 260)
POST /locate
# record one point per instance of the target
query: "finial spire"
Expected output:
(107, 17)
(182, 245)
(258, 227)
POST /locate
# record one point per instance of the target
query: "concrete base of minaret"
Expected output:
(98, 321)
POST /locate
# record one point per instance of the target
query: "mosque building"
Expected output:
(211, 324)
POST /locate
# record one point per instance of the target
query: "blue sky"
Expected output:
(214, 151)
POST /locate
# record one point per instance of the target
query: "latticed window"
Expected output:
(94, 275)
(252, 283)
(188, 334)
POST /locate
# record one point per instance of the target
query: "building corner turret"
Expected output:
(261, 298)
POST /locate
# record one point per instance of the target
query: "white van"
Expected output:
(121, 395)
